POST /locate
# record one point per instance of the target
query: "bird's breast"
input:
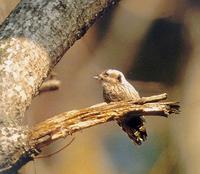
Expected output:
(112, 93)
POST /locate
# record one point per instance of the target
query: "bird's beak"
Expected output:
(97, 77)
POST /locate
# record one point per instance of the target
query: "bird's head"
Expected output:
(111, 76)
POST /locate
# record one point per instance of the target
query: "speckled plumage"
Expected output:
(117, 88)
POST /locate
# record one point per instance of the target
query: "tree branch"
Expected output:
(67, 123)
(70, 122)
(154, 98)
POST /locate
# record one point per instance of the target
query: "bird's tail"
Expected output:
(134, 127)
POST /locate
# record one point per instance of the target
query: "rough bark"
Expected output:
(67, 123)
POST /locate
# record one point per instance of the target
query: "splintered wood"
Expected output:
(67, 123)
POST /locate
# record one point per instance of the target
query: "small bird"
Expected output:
(117, 88)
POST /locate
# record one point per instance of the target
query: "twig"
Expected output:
(49, 85)
(154, 98)
(49, 155)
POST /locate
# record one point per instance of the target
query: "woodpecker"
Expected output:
(117, 88)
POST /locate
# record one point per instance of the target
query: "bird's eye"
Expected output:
(119, 78)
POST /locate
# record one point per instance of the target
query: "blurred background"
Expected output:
(156, 44)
